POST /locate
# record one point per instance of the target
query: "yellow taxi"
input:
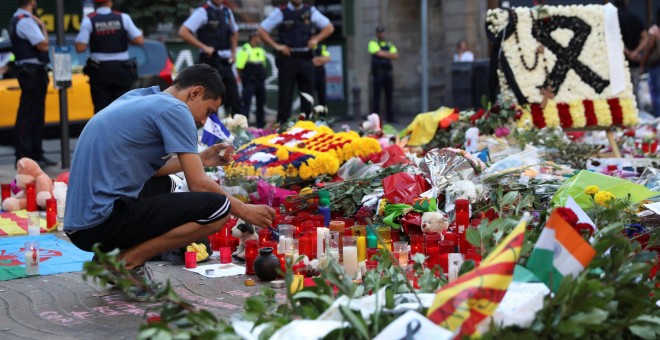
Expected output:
(155, 67)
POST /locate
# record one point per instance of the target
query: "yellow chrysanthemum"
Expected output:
(325, 130)
(304, 172)
(551, 114)
(602, 111)
(291, 171)
(525, 121)
(282, 154)
(591, 190)
(603, 198)
(629, 109)
(578, 115)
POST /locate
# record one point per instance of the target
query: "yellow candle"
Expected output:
(297, 283)
(362, 248)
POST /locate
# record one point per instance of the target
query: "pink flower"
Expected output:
(502, 132)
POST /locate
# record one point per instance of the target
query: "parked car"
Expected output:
(155, 67)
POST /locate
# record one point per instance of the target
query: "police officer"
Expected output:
(296, 23)
(382, 53)
(29, 41)
(107, 33)
(321, 57)
(217, 38)
(251, 66)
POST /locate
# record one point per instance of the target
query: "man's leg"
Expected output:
(388, 83)
(376, 86)
(305, 80)
(319, 81)
(249, 86)
(101, 96)
(261, 102)
(285, 88)
(232, 104)
(39, 115)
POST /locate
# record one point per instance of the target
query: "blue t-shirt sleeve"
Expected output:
(177, 127)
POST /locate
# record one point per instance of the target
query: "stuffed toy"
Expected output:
(434, 221)
(28, 171)
(243, 231)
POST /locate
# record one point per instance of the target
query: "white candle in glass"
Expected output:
(34, 227)
(320, 239)
(350, 261)
(31, 261)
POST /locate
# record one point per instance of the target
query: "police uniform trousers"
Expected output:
(294, 70)
(253, 85)
(319, 85)
(232, 102)
(382, 80)
(29, 128)
(109, 81)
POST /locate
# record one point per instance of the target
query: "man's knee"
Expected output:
(216, 226)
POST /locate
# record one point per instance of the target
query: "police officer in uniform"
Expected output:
(217, 39)
(107, 33)
(382, 53)
(251, 66)
(296, 22)
(321, 57)
(29, 41)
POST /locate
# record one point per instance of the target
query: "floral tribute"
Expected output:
(563, 65)
(305, 151)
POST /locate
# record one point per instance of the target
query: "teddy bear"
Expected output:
(243, 231)
(28, 171)
(434, 221)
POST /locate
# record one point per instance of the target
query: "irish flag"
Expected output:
(559, 251)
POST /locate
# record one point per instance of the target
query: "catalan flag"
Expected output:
(461, 305)
(559, 251)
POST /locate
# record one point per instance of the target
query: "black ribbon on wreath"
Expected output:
(498, 59)
(567, 57)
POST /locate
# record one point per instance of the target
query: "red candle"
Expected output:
(395, 235)
(31, 195)
(51, 212)
(371, 252)
(462, 215)
(432, 251)
(6, 191)
(447, 236)
(250, 255)
(306, 244)
(416, 244)
(264, 235)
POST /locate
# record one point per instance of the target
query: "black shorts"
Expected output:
(156, 211)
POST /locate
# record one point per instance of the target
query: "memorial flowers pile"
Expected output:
(305, 151)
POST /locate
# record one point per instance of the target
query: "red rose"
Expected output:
(584, 228)
(568, 215)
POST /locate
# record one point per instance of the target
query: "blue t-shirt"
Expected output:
(120, 148)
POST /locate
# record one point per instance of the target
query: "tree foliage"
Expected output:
(148, 14)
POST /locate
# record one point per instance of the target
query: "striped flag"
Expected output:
(559, 251)
(214, 131)
(461, 305)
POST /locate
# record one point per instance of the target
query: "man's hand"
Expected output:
(208, 50)
(284, 49)
(217, 155)
(259, 215)
(311, 44)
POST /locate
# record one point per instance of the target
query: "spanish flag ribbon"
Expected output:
(461, 305)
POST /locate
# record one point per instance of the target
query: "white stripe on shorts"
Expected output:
(224, 209)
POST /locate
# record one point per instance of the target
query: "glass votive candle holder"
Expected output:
(332, 244)
(291, 248)
(286, 230)
(386, 236)
(264, 236)
(401, 249)
(350, 256)
(416, 244)
(371, 252)
(190, 259)
(6, 191)
(449, 236)
(225, 255)
(31, 258)
(395, 235)
(251, 252)
(51, 213)
(445, 247)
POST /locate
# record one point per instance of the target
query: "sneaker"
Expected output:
(140, 294)
(45, 162)
(111, 277)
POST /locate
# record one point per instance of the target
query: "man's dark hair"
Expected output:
(619, 3)
(22, 3)
(201, 75)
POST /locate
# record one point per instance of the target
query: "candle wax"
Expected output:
(351, 261)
